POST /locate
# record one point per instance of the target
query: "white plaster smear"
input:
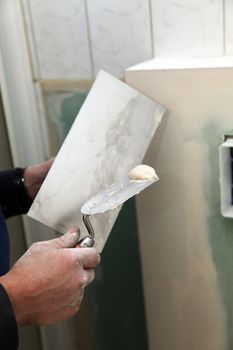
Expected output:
(108, 138)
(184, 304)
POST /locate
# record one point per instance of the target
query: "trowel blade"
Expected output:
(115, 195)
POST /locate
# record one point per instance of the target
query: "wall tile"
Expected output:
(228, 27)
(190, 28)
(61, 39)
(26, 11)
(120, 34)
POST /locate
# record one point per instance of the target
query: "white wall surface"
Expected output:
(60, 37)
(228, 26)
(74, 39)
(120, 33)
(184, 240)
(190, 28)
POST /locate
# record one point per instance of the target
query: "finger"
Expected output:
(87, 257)
(68, 240)
(48, 163)
(90, 276)
(45, 167)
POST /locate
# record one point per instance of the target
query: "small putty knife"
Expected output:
(116, 194)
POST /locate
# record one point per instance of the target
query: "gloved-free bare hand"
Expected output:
(46, 284)
(35, 175)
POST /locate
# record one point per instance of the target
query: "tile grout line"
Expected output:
(35, 70)
(34, 63)
(89, 39)
(224, 27)
(151, 28)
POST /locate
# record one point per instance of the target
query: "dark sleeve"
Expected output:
(8, 326)
(14, 199)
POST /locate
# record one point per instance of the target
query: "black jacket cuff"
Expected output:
(8, 325)
(14, 198)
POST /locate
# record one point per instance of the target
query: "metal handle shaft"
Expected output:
(87, 241)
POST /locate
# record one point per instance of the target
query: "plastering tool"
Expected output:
(116, 194)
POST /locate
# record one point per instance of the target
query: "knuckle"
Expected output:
(94, 255)
(60, 242)
(98, 258)
(86, 278)
(95, 258)
(90, 275)
(35, 246)
(83, 280)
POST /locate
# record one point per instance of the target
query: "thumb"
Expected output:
(68, 240)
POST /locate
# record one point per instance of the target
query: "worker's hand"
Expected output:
(47, 283)
(34, 176)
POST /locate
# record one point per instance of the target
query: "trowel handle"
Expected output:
(87, 241)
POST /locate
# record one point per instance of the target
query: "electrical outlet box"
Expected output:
(226, 176)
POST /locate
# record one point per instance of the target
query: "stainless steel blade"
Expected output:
(115, 195)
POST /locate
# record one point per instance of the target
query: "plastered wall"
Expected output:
(186, 244)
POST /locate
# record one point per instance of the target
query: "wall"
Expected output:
(70, 41)
(186, 244)
(190, 28)
(74, 39)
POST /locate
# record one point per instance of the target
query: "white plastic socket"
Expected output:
(226, 177)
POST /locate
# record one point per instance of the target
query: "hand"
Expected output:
(47, 283)
(34, 176)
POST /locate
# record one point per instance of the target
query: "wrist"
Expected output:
(16, 299)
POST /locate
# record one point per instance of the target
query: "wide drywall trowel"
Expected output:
(116, 194)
